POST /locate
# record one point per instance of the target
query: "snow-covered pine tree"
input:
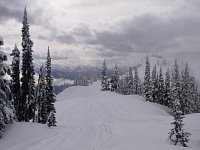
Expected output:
(2, 123)
(147, 82)
(6, 108)
(130, 82)
(51, 119)
(28, 82)
(140, 88)
(161, 88)
(155, 85)
(167, 94)
(104, 78)
(193, 95)
(175, 84)
(51, 98)
(42, 98)
(114, 80)
(136, 83)
(125, 84)
(119, 85)
(177, 135)
(16, 80)
(122, 86)
(197, 103)
(185, 90)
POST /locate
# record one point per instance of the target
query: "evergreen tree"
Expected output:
(6, 108)
(120, 86)
(51, 119)
(177, 135)
(140, 88)
(197, 103)
(42, 98)
(175, 84)
(167, 94)
(130, 82)
(136, 83)
(193, 95)
(28, 89)
(50, 90)
(185, 90)
(155, 85)
(104, 78)
(16, 80)
(114, 80)
(147, 82)
(196, 108)
(161, 88)
(125, 85)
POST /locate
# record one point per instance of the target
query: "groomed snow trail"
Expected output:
(92, 120)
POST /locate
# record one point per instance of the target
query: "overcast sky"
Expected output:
(121, 31)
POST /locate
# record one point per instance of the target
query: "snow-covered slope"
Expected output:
(92, 120)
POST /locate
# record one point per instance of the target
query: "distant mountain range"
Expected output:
(64, 75)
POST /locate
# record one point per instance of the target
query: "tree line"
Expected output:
(176, 89)
(22, 99)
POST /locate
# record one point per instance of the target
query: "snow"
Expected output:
(92, 120)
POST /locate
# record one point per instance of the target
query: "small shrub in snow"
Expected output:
(51, 121)
(177, 135)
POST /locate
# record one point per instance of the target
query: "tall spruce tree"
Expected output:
(16, 80)
(193, 95)
(51, 98)
(42, 98)
(28, 87)
(130, 82)
(136, 83)
(104, 78)
(6, 108)
(161, 88)
(167, 94)
(175, 84)
(185, 90)
(177, 134)
(196, 103)
(114, 80)
(155, 85)
(147, 82)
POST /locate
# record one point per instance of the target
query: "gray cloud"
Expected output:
(8, 13)
(54, 56)
(147, 33)
(13, 9)
(105, 30)
(82, 29)
(65, 38)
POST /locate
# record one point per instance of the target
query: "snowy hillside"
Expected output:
(92, 120)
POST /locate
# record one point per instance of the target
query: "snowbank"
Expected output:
(89, 119)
